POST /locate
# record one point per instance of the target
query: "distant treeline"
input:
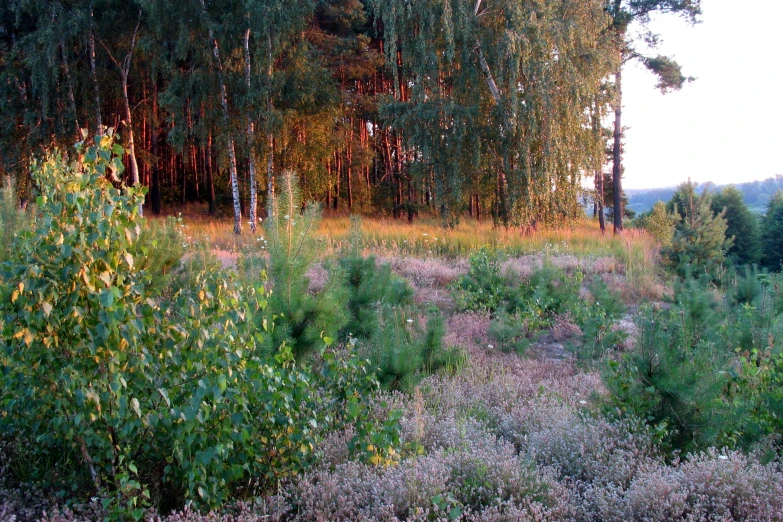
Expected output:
(756, 194)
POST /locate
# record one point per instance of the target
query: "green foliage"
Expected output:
(13, 220)
(700, 240)
(139, 404)
(509, 333)
(659, 223)
(158, 252)
(370, 287)
(772, 233)
(406, 347)
(673, 379)
(299, 318)
(707, 370)
(520, 309)
(482, 288)
(741, 224)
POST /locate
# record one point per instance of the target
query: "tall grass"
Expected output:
(636, 251)
(12, 219)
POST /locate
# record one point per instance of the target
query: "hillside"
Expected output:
(757, 193)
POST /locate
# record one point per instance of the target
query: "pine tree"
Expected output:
(742, 225)
(699, 243)
(772, 233)
(670, 77)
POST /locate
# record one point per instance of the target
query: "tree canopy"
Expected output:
(485, 107)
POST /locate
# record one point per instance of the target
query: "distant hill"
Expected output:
(756, 193)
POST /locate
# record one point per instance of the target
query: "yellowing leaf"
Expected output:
(47, 308)
(129, 259)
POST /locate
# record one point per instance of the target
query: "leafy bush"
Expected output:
(140, 405)
(659, 222)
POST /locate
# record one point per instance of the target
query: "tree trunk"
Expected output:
(250, 149)
(71, 98)
(134, 170)
(94, 77)
(232, 160)
(599, 200)
(155, 174)
(210, 178)
(270, 157)
(617, 169)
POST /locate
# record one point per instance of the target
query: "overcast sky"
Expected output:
(727, 126)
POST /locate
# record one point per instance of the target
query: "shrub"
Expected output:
(772, 232)
(296, 316)
(370, 288)
(674, 378)
(700, 240)
(136, 404)
(509, 333)
(482, 288)
(741, 224)
(406, 347)
(659, 222)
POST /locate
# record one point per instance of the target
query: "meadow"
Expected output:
(343, 369)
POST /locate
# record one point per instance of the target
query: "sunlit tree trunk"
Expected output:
(250, 148)
(232, 160)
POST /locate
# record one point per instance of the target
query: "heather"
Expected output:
(332, 379)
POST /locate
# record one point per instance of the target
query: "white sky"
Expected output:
(727, 126)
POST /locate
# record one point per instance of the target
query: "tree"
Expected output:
(623, 13)
(659, 222)
(742, 225)
(772, 232)
(700, 244)
(498, 88)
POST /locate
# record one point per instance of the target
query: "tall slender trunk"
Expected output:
(94, 76)
(232, 160)
(599, 200)
(617, 169)
(250, 149)
(71, 98)
(270, 157)
(210, 178)
(155, 174)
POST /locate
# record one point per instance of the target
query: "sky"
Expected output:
(725, 127)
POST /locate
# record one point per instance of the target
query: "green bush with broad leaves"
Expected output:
(144, 401)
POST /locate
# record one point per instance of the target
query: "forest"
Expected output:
(422, 325)
(487, 109)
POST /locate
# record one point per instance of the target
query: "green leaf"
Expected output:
(107, 298)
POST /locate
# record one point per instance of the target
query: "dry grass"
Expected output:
(632, 255)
